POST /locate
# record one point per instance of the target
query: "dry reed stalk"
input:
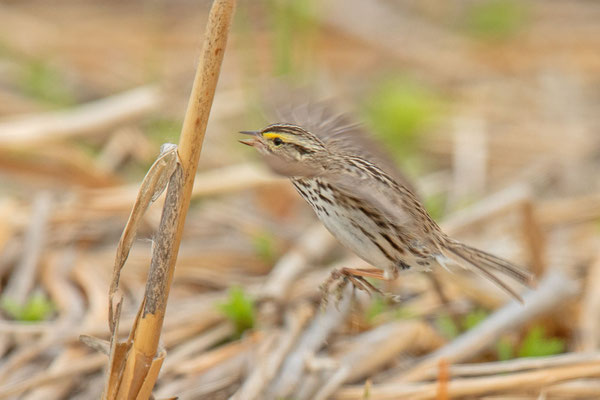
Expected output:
(93, 205)
(494, 206)
(446, 55)
(81, 366)
(469, 159)
(95, 289)
(532, 380)
(125, 142)
(198, 344)
(217, 181)
(134, 364)
(368, 353)
(516, 365)
(61, 388)
(589, 325)
(569, 210)
(533, 235)
(579, 388)
(58, 165)
(263, 371)
(93, 117)
(315, 243)
(22, 281)
(215, 357)
(555, 289)
(293, 369)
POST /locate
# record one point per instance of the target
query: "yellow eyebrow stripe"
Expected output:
(271, 135)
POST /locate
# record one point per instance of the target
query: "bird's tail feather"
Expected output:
(486, 263)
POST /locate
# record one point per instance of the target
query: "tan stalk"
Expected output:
(134, 365)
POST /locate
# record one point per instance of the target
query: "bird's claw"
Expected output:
(338, 280)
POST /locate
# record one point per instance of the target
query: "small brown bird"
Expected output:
(376, 216)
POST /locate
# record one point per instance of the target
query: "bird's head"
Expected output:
(288, 149)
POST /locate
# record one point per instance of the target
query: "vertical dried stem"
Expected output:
(147, 333)
(535, 239)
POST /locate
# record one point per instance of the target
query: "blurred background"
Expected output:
(490, 107)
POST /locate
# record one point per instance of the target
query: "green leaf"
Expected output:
(380, 305)
(37, 308)
(447, 326)
(399, 109)
(376, 307)
(473, 318)
(537, 344)
(239, 309)
(404, 313)
(264, 247)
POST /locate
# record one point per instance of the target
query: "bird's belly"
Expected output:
(346, 228)
(357, 231)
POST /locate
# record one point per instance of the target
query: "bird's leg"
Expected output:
(356, 276)
(364, 272)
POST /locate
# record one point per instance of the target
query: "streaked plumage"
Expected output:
(340, 134)
(376, 216)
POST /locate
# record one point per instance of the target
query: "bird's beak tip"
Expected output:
(247, 142)
(252, 141)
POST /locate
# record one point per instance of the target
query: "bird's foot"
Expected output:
(339, 278)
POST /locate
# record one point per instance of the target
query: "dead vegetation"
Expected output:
(510, 163)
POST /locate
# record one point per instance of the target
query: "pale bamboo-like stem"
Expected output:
(147, 332)
(192, 135)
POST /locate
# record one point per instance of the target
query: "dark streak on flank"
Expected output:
(403, 265)
(325, 199)
(392, 243)
(385, 253)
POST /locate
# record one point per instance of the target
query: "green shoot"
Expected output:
(537, 344)
(451, 329)
(376, 307)
(264, 247)
(239, 309)
(446, 325)
(379, 306)
(473, 318)
(37, 308)
(399, 109)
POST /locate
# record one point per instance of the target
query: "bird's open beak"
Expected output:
(251, 141)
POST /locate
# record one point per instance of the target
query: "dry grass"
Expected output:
(513, 155)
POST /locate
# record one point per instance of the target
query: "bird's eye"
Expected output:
(277, 141)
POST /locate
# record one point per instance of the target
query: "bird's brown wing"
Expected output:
(384, 202)
(381, 200)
